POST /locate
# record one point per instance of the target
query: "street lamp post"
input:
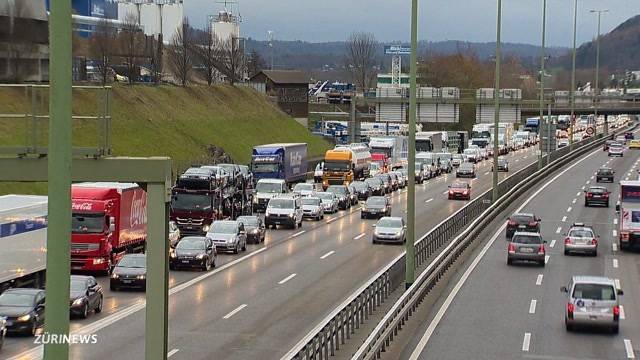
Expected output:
(411, 192)
(573, 75)
(597, 91)
(270, 38)
(496, 98)
(542, 59)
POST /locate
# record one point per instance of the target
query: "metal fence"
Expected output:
(329, 335)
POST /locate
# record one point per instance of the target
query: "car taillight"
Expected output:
(567, 240)
(624, 235)
(465, 192)
(541, 249)
(513, 223)
(451, 191)
(589, 194)
(605, 196)
(570, 308)
(616, 313)
(512, 248)
(533, 223)
(594, 241)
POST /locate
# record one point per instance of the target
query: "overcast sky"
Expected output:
(469, 20)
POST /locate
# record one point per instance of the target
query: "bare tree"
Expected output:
(181, 54)
(130, 44)
(207, 53)
(233, 59)
(101, 48)
(361, 58)
(255, 63)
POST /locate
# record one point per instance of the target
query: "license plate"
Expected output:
(526, 250)
(593, 317)
(596, 196)
(127, 281)
(185, 261)
(522, 227)
(189, 227)
(9, 323)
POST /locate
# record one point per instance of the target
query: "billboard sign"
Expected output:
(397, 50)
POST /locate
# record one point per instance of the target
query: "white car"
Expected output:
(174, 234)
(329, 202)
(304, 189)
(284, 210)
(312, 208)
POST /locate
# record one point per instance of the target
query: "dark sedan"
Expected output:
(254, 226)
(522, 222)
(377, 186)
(362, 189)
(386, 183)
(85, 295)
(343, 195)
(194, 252)
(605, 174)
(23, 309)
(130, 272)
(596, 195)
(377, 207)
(466, 169)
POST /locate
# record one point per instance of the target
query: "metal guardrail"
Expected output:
(339, 325)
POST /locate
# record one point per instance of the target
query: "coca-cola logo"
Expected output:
(81, 206)
(138, 210)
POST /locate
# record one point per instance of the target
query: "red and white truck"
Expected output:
(628, 208)
(109, 220)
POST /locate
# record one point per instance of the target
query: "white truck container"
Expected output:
(396, 148)
(429, 141)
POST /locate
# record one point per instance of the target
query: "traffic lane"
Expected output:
(512, 307)
(363, 268)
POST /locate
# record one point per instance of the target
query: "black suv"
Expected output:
(343, 194)
(522, 222)
(605, 174)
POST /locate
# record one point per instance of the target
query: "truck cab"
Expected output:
(628, 208)
(338, 169)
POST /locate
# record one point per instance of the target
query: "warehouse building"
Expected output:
(289, 88)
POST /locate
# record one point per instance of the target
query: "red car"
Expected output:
(460, 190)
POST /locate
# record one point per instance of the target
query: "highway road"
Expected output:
(514, 312)
(264, 301)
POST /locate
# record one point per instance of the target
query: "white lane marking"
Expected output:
(487, 173)
(614, 247)
(553, 243)
(569, 209)
(546, 259)
(626, 178)
(235, 311)
(287, 279)
(172, 352)
(558, 230)
(578, 193)
(587, 182)
(614, 232)
(445, 193)
(622, 315)
(574, 201)
(526, 341)
(327, 254)
(331, 220)
(532, 306)
(428, 201)
(592, 177)
(628, 347)
(615, 221)
(539, 279)
(584, 187)
(564, 218)
(359, 236)
(299, 233)
(615, 263)
(617, 282)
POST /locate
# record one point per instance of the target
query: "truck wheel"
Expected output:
(98, 308)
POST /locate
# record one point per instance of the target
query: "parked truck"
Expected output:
(345, 164)
(429, 141)
(23, 241)
(628, 208)
(280, 161)
(108, 220)
(396, 148)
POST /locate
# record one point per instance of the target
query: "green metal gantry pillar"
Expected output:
(411, 192)
(59, 170)
(496, 97)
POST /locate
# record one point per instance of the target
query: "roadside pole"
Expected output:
(411, 193)
(542, 58)
(496, 98)
(573, 75)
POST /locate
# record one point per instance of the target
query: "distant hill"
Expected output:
(619, 49)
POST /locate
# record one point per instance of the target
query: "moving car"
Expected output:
(605, 174)
(466, 169)
(457, 159)
(329, 202)
(606, 145)
(343, 195)
(23, 310)
(596, 195)
(389, 230)
(522, 222)
(174, 234)
(422, 172)
(634, 144)
(353, 195)
(592, 301)
(377, 186)
(362, 189)
(254, 227)
(386, 179)
(376, 206)
(284, 210)
(621, 139)
(629, 135)
(228, 235)
(304, 189)
(473, 155)
(459, 190)
(85, 294)
(312, 208)
(503, 165)
(582, 239)
(616, 149)
(131, 271)
(526, 246)
(194, 252)
(402, 180)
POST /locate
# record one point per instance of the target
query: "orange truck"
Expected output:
(338, 168)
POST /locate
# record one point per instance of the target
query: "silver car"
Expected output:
(592, 301)
(228, 236)
(390, 230)
(526, 246)
(312, 208)
(304, 189)
(329, 202)
(174, 234)
(581, 239)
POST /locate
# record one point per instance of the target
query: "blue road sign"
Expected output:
(397, 50)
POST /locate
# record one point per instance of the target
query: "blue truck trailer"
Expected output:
(280, 161)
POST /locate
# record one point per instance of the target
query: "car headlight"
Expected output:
(24, 317)
(115, 276)
(290, 215)
(141, 277)
(172, 254)
(201, 256)
(254, 231)
(255, 200)
(78, 302)
(206, 228)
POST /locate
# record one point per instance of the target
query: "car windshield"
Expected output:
(338, 190)
(190, 202)
(359, 185)
(502, 161)
(527, 239)
(594, 292)
(266, 187)
(466, 166)
(311, 201)
(470, 152)
(444, 156)
(390, 223)
(374, 166)
(597, 190)
(87, 223)
(326, 196)
(459, 186)
(373, 182)
(281, 203)
(337, 165)
(265, 167)
(191, 244)
(244, 170)
(134, 261)
(615, 145)
(375, 201)
(223, 227)
(78, 284)
(605, 171)
(16, 299)
(522, 219)
(457, 156)
(248, 220)
(581, 233)
(303, 187)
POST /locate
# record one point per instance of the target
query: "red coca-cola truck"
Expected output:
(109, 220)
